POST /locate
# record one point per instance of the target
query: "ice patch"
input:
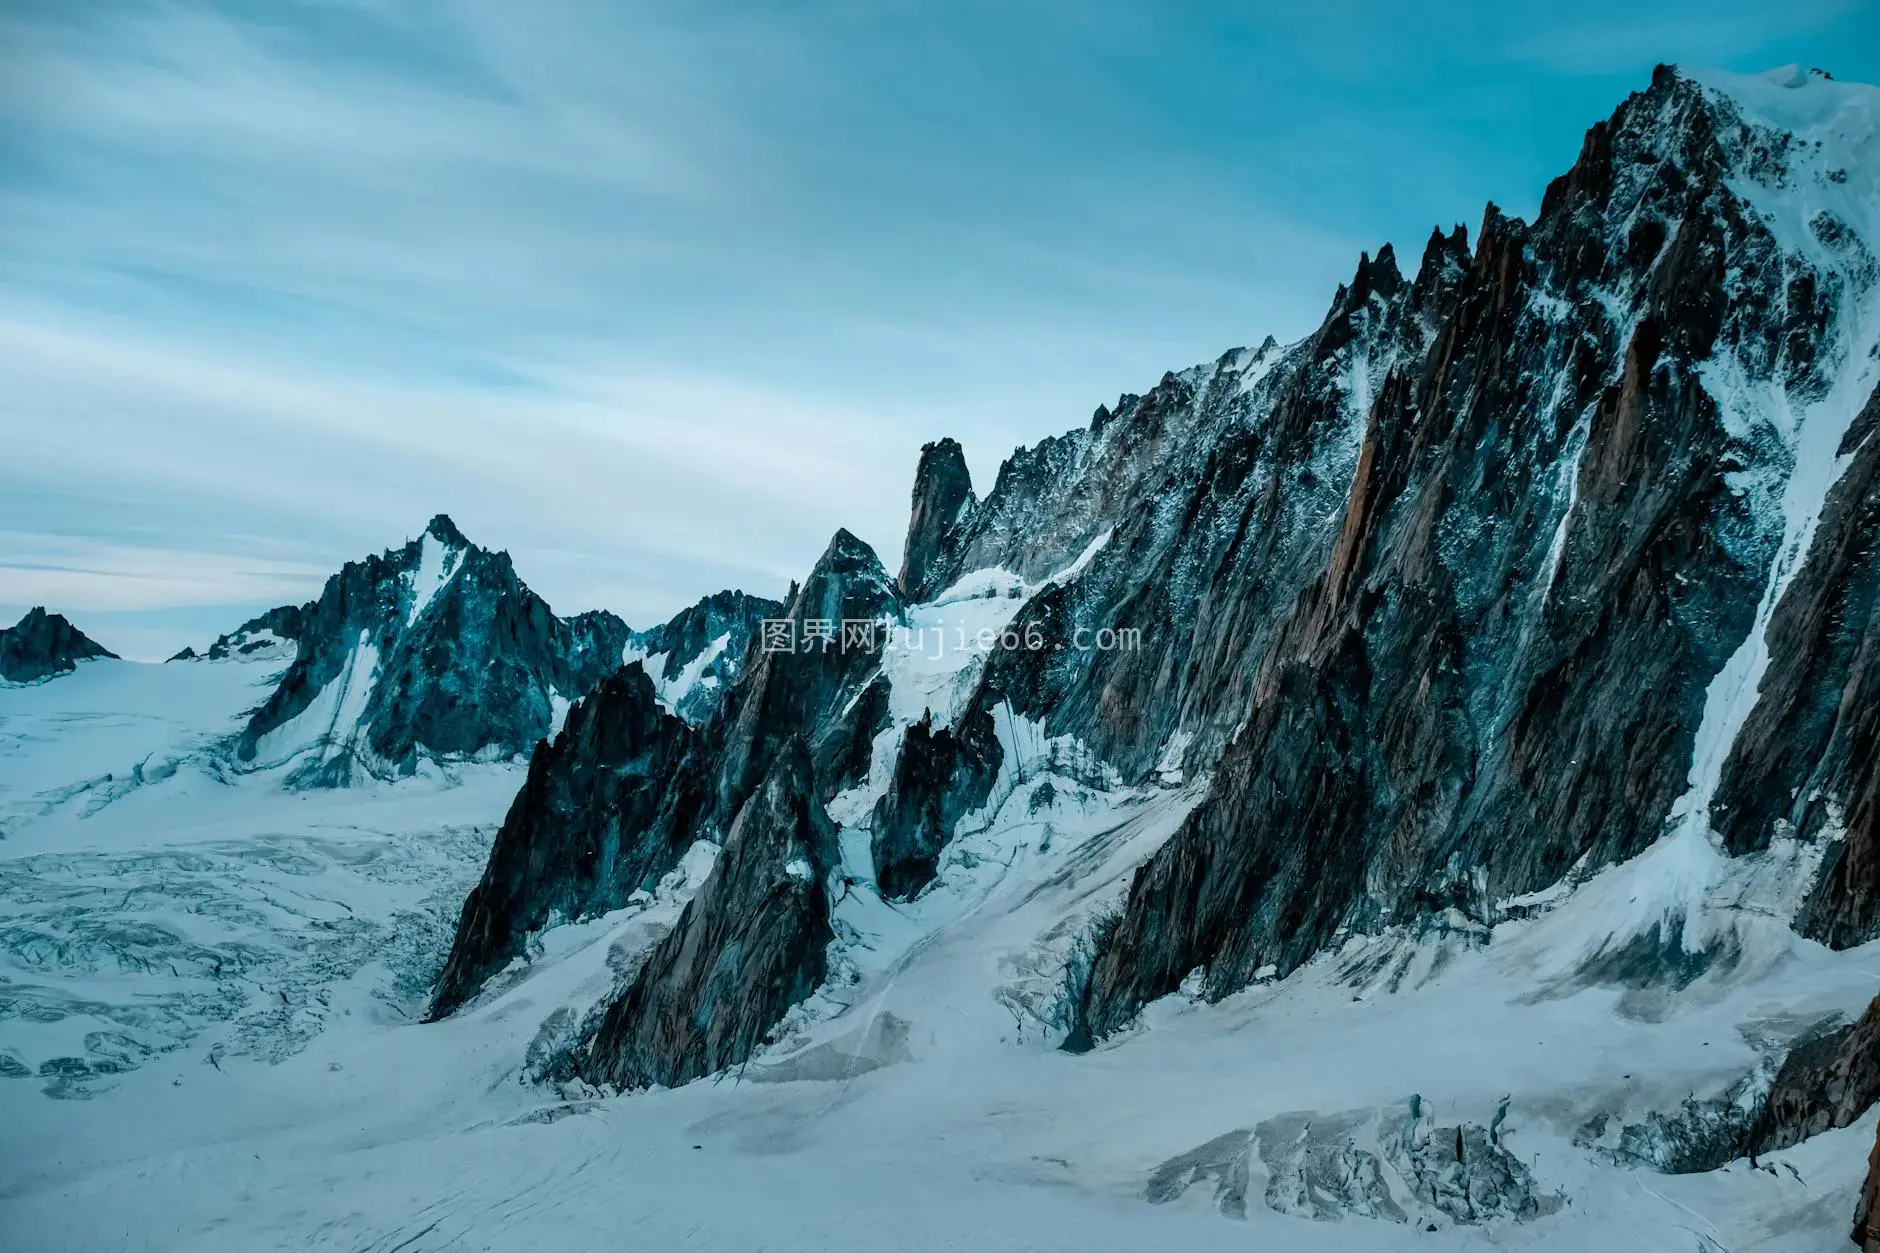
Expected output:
(328, 727)
(671, 691)
(1680, 914)
(933, 659)
(679, 686)
(437, 562)
(1075, 568)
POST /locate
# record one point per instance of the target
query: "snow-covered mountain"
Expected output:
(694, 657)
(624, 792)
(271, 636)
(1394, 593)
(433, 649)
(437, 650)
(1412, 787)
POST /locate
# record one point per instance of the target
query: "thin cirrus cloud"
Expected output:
(657, 295)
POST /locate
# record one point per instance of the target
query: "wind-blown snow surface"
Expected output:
(211, 986)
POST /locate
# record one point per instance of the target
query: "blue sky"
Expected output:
(656, 296)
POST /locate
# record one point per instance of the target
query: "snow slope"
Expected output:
(239, 968)
(1821, 203)
(152, 899)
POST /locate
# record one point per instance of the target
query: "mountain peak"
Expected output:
(1375, 276)
(41, 645)
(442, 529)
(943, 495)
(436, 648)
(848, 581)
(845, 540)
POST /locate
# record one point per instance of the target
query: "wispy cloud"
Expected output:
(658, 294)
(110, 577)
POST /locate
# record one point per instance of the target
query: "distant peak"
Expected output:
(847, 582)
(43, 644)
(1443, 257)
(1793, 75)
(442, 529)
(1375, 276)
(1456, 242)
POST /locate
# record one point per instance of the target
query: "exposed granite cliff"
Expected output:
(749, 945)
(1827, 1081)
(806, 689)
(1807, 762)
(939, 777)
(611, 808)
(582, 836)
(943, 496)
(1448, 714)
(1867, 1214)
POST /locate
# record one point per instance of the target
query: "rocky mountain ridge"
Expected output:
(1449, 713)
(695, 655)
(655, 802)
(437, 650)
(1548, 552)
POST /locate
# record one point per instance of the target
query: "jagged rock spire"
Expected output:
(442, 529)
(943, 494)
(41, 645)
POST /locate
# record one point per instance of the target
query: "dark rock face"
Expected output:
(843, 750)
(41, 645)
(940, 777)
(719, 628)
(1447, 713)
(943, 496)
(1399, 588)
(749, 946)
(583, 834)
(1867, 1215)
(1199, 511)
(435, 648)
(1825, 1083)
(590, 645)
(606, 813)
(784, 694)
